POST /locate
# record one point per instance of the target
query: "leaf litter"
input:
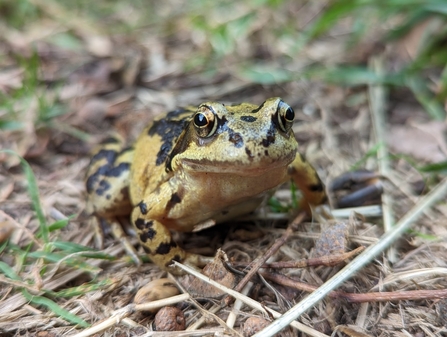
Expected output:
(109, 82)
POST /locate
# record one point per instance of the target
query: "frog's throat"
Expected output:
(241, 169)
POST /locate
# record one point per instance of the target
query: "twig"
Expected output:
(383, 296)
(196, 333)
(377, 105)
(386, 240)
(121, 314)
(328, 261)
(208, 314)
(258, 262)
(248, 301)
(237, 306)
(367, 211)
(202, 320)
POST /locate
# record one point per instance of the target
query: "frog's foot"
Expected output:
(197, 260)
(321, 213)
(181, 256)
(99, 233)
(157, 241)
(356, 188)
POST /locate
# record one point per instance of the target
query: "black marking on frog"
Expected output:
(266, 153)
(222, 125)
(108, 196)
(235, 138)
(248, 152)
(316, 187)
(249, 119)
(175, 258)
(169, 129)
(151, 233)
(175, 199)
(165, 247)
(143, 237)
(139, 223)
(108, 155)
(148, 234)
(270, 136)
(258, 108)
(110, 140)
(143, 207)
(175, 113)
(106, 170)
(142, 224)
(103, 187)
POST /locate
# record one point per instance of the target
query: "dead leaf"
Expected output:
(411, 44)
(424, 142)
(332, 241)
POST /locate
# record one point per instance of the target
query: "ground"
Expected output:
(72, 74)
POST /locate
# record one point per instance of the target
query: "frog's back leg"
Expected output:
(306, 178)
(108, 190)
(107, 179)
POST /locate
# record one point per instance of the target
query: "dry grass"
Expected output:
(67, 82)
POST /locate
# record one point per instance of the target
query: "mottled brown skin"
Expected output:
(195, 167)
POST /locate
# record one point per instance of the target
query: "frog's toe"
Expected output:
(94, 222)
(197, 260)
(118, 234)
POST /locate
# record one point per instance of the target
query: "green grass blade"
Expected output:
(55, 308)
(424, 96)
(71, 247)
(82, 289)
(436, 167)
(69, 261)
(9, 272)
(33, 192)
(59, 224)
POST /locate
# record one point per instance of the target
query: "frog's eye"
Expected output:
(205, 121)
(285, 116)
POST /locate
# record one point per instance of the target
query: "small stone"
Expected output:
(169, 319)
(253, 325)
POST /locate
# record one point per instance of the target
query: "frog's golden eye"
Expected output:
(205, 121)
(285, 116)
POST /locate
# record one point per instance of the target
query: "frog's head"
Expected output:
(242, 139)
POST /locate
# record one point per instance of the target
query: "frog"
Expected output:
(196, 167)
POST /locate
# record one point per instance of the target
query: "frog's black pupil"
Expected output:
(290, 114)
(200, 120)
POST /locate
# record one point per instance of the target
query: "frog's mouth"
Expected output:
(237, 168)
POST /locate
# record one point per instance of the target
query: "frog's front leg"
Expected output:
(158, 243)
(308, 181)
(155, 236)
